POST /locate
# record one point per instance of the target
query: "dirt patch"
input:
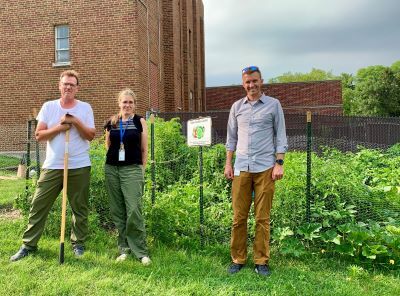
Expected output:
(10, 214)
(8, 178)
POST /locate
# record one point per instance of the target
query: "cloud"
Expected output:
(297, 35)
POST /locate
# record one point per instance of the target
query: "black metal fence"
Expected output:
(345, 133)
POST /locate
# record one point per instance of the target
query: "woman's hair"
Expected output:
(121, 94)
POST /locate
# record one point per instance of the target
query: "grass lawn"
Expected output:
(9, 189)
(174, 272)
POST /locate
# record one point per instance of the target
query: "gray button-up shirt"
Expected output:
(256, 132)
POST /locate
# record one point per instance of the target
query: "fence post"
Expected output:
(201, 201)
(35, 123)
(308, 185)
(153, 167)
(37, 148)
(28, 153)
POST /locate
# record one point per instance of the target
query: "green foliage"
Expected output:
(8, 161)
(314, 75)
(98, 197)
(375, 90)
(174, 160)
(354, 200)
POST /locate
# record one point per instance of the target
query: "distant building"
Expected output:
(320, 97)
(155, 47)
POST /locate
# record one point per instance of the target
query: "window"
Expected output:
(62, 45)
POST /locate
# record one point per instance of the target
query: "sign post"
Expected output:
(199, 134)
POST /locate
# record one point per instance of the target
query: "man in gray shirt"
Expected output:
(256, 131)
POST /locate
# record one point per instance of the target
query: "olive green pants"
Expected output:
(48, 188)
(242, 188)
(125, 189)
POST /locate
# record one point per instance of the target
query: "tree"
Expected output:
(314, 75)
(376, 92)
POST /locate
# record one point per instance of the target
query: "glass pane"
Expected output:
(62, 31)
(62, 43)
(63, 56)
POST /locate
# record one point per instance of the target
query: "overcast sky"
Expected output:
(296, 35)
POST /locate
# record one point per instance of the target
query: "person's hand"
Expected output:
(228, 172)
(64, 127)
(67, 119)
(277, 172)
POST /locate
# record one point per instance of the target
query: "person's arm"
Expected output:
(144, 143)
(108, 141)
(277, 171)
(231, 142)
(228, 172)
(43, 133)
(84, 131)
(281, 142)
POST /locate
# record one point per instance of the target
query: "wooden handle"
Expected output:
(64, 197)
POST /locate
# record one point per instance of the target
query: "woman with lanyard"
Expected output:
(126, 141)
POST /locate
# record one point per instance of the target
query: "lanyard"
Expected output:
(122, 131)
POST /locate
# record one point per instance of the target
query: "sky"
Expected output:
(297, 35)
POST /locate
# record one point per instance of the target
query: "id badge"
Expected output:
(121, 155)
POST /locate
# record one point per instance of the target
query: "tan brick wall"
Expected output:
(113, 44)
(323, 97)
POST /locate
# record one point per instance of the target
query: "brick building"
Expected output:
(321, 97)
(155, 47)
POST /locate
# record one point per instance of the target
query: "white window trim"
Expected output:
(60, 64)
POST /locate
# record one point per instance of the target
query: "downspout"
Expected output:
(148, 53)
(181, 55)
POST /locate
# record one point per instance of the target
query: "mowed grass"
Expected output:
(174, 272)
(9, 190)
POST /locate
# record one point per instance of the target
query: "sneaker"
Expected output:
(122, 257)
(235, 268)
(145, 260)
(78, 251)
(262, 270)
(22, 252)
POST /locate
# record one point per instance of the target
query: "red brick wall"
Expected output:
(322, 97)
(113, 44)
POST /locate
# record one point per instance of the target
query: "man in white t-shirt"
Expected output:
(54, 119)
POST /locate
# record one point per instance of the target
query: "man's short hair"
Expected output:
(70, 73)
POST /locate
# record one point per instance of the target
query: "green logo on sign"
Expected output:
(198, 132)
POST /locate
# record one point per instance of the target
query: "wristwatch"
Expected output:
(279, 161)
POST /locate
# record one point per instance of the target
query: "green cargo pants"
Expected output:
(48, 188)
(125, 189)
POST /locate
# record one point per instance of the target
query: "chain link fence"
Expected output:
(22, 154)
(183, 206)
(321, 182)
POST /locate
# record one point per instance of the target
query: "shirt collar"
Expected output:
(262, 99)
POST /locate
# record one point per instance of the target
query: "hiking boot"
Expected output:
(235, 268)
(145, 260)
(22, 252)
(78, 251)
(262, 270)
(122, 257)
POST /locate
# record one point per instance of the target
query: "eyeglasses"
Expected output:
(68, 84)
(250, 69)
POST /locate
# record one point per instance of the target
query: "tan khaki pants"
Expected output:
(242, 188)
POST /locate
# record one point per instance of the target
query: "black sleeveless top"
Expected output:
(132, 140)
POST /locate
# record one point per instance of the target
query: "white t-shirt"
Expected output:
(78, 149)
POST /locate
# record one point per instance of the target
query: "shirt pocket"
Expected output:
(263, 120)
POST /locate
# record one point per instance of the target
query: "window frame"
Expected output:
(57, 50)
